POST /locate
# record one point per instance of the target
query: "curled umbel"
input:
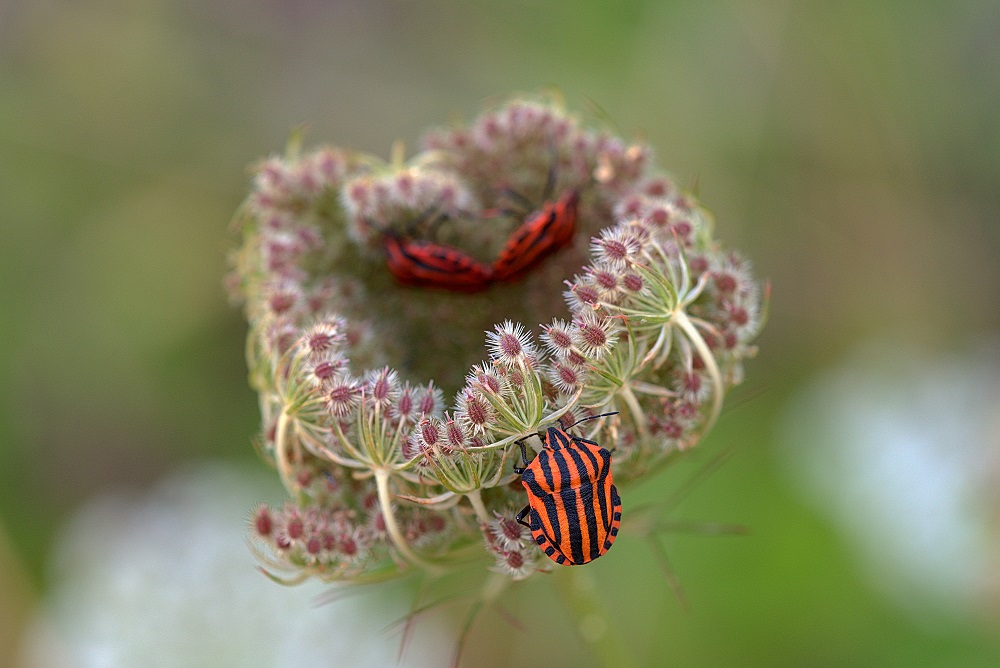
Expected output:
(367, 287)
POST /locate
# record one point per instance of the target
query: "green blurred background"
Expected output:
(851, 150)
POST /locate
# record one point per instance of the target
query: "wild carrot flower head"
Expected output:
(645, 315)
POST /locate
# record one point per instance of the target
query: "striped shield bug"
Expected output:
(573, 507)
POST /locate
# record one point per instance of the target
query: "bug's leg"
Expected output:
(524, 459)
(518, 200)
(502, 212)
(429, 220)
(550, 179)
(521, 515)
(434, 224)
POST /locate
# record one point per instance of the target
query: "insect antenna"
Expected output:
(520, 200)
(592, 417)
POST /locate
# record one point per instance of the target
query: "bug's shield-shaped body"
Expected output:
(575, 510)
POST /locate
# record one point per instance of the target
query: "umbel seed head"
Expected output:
(394, 429)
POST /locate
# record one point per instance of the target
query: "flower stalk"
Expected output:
(392, 526)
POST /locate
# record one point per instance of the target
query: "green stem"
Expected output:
(593, 624)
(385, 502)
(636, 410)
(693, 335)
(476, 499)
(281, 453)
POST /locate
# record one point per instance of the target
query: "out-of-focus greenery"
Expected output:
(852, 150)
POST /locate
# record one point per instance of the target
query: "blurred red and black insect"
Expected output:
(425, 264)
(543, 233)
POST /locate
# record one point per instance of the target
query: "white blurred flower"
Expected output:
(902, 449)
(165, 579)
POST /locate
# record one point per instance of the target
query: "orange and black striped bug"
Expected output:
(543, 233)
(574, 508)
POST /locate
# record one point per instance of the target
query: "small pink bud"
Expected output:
(328, 541)
(724, 282)
(429, 433)
(605, 280)
(586, 293)
(510, 529)
(698, 264)
(657, 188)
(348, 546)
(429, 400)
(658, 217)
(633, 282)
(404, 406)
(488, 382)
(557, 337)
(475, 411)
(681, 228)
(263, 523)
(327, 369)
(565, 378)
(515, 560)
(343, 396)
(455, 434)
(294, 527)
(737, 315)
(323, 337)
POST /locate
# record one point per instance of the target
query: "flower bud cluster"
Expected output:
(651, 318)
(336, 535)
(511, 545)
(690, 310)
